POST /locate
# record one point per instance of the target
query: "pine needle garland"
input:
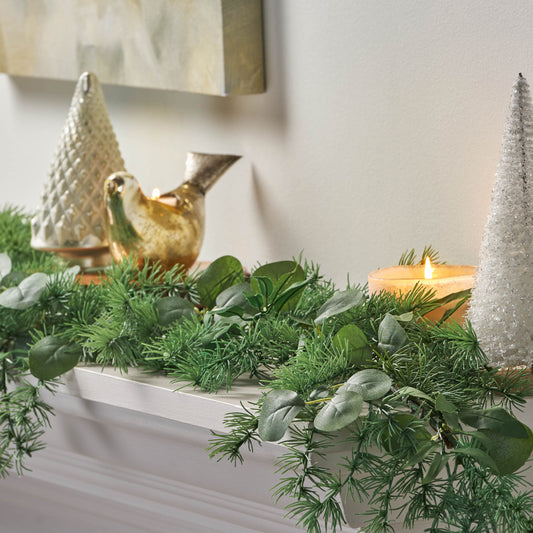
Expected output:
(410, 406)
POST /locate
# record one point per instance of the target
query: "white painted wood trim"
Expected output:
(157, 395)
(153, 499)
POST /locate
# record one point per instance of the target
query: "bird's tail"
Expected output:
(203, 170)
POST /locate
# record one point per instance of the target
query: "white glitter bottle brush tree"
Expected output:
(71, 220)
(500, 308)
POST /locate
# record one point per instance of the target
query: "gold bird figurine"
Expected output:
(168, 229)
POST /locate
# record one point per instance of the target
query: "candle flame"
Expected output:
(156, 193)
(428, 270)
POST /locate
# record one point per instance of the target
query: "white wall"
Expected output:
(380, 131)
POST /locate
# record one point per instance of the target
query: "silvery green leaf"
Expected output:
(232, 299)
(405, 317)
(391, 336)
(5, 265)
(479, 455)
(438, 463)
(292, 293)
(422, 453)
(339, 303)
(26, 294)
(443, 405)
(219, 275)
(277, 412)
(415, 393)
(452, 420)
(172, 308)
(352, 341)
(496, 419)
(341, 410)
(283, 276)
(319, 393)
(372, 383)
(52, 356)
(350, 387)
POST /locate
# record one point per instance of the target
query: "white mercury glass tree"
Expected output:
(71, 219)
(501, 305)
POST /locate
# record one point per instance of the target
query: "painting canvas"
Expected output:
(204, 46)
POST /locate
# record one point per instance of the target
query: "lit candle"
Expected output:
(443, 279)
(168, 200)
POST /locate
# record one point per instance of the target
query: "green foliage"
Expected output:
(409, 257)
(424, 428)
(422, 446)
(52, 356)
(218, 276)
(353, 341)
(15, 235)
(279, 284)
(339, 303)
(278, 411)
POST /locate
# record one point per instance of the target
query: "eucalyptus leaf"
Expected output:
(256, 301)
(52, 356)
(452, 420)
(230, 300)
(484, 438)
(415, 393)
(228, 312)
(218, 276)
(5, 265)
(319, 393)
(265, 287)
(221, 328)
(282, 300)
(172, 308)
(339, 303)
(350, 387)
(391, 336)
(231, 319)
(509, 453)
(443, 405)
(422, 453)
(282, 274)
(26, 294)
(479, 455)
(353, 342)
(496, 419)
(341, 410)
(405, 317)
(277, 412)
(373, 383)
(438, 463)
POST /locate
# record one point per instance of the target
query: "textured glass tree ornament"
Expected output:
(169, 228)
(500, 308)
(71, 219)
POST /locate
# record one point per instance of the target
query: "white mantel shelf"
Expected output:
(127, 453)
(157, 395)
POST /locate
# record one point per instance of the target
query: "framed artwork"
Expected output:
(201, 46)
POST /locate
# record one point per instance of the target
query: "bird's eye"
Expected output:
(115, 185)
(119, 183)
